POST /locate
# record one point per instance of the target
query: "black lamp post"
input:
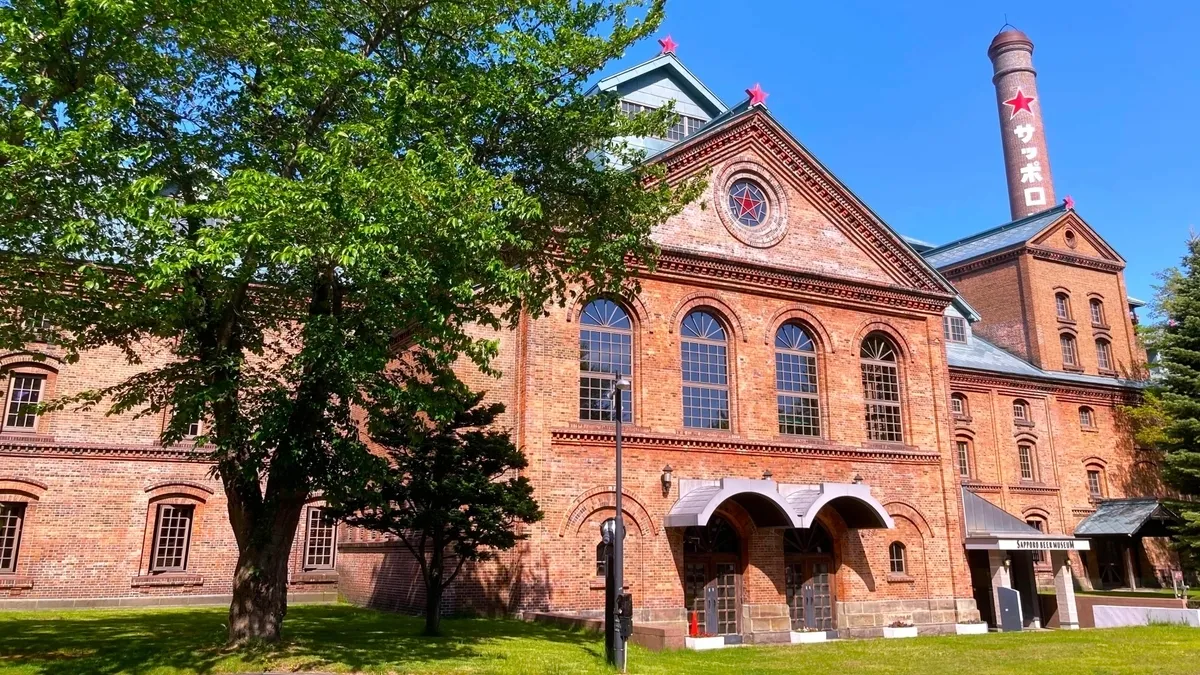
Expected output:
(619, 606)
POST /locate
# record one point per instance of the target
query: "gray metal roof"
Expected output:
(772, 504)
(984, 519)
(995, 239)
(979, 354)
(1145, 517)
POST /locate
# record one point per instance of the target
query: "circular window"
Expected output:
(747, 203)
(1070, 239)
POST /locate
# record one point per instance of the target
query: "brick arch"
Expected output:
(740, 519)
(600, 498)
(1068, 330)
(1026, 435)
(897, 508)
(804, 317)
(180, 488)
(1095, 461)
(37, 359)
(23, 487)
(877, 325)
(633, 304)
(722, 308)
(964, 431)
(1036, 511)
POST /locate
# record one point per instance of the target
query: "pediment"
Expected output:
(1070, 234)
(814, 223)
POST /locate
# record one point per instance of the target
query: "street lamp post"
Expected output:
(620, 616)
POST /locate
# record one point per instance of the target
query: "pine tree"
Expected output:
(1179, 343)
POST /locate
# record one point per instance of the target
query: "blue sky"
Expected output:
(897, 100)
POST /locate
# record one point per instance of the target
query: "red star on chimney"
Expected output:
(757, 95)
(668, 45)
(1020, 102)
(1069, 202)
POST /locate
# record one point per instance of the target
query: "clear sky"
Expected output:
(896, 99)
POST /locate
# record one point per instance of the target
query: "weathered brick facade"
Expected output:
(819, 259)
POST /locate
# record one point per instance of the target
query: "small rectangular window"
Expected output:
(1025, 455)
(1094, 484)
(954, 328)
(12, 517)
(172, 537)
(24, 393)
(956, 405)
(964, 459)
(1085, 418)
(320, 540)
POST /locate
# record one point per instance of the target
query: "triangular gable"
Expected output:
(1000, 238)
(752, 129)
(1085, 241)
(670, 67)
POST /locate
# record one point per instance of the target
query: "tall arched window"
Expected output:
(1027, 461)
(1097, 310)
(605, 353)
(1062, 306)
(796, 382)
(1103, 354)
(881, 389)
(962, 450)
(1087, 417)
(1067, 342)
(705, 372)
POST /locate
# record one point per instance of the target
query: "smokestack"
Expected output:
(1026, 164)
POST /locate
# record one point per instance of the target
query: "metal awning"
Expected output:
(989, 527)
(1142, 517)
(772, 504)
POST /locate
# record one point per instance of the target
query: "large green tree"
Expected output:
(1177, 340)
(270, 195)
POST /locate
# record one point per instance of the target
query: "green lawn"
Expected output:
(340, 638)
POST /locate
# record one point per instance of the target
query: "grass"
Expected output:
(339, 638)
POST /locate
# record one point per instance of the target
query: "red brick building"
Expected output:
(829, 426)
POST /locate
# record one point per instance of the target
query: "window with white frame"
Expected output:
(958, 405)
(963, 451)
(796, 382)
(881, 389)
(172, 538)
(898, 558)
(320, 540)
(1027, 462)
(1103, 355)
(1097, 310)
(954, 328)
(12, 519)
(1066, 343)
(705, 372)
(1062, 306)
(605, 354)
(25, 391)
(1095, 482)
(1087, 418)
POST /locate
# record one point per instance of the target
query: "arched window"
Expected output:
(1103, 355)
(705, 372)
(1021, 412)
(958, 405)
(1027, 461)
(1069, 356)
(962, 457)
(1087, 417)
(605, 353)
(898, 557)
(881, 389)
(796, 382)
(1097, 310)
(1062, 306)
(1095, 481)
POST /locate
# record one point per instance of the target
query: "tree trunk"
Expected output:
(433, 590)
(260, 579)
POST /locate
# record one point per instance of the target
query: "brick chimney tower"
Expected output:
(1026, 164)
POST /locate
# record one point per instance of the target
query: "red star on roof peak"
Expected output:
(1069, 202)
(1020, 102)
(668, 45)
(757, 95)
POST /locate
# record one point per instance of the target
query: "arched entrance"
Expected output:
(808, 577)
(712, 576)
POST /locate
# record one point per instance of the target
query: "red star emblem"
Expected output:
(757, 95)
(668, 45)
(1020, 102)
(1070, 203)
(747, 204)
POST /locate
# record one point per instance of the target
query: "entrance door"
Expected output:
(808, 578)
(1111, 563)
(712, 577)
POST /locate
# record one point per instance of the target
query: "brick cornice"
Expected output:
(676, 263)
(43, 447)
(1033, 489)
(732, 445)
(976, 380)
(1036, 251)
(814, 180)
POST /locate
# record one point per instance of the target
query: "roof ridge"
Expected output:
(999, 228)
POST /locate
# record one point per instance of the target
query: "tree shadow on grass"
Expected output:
(316, 637)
